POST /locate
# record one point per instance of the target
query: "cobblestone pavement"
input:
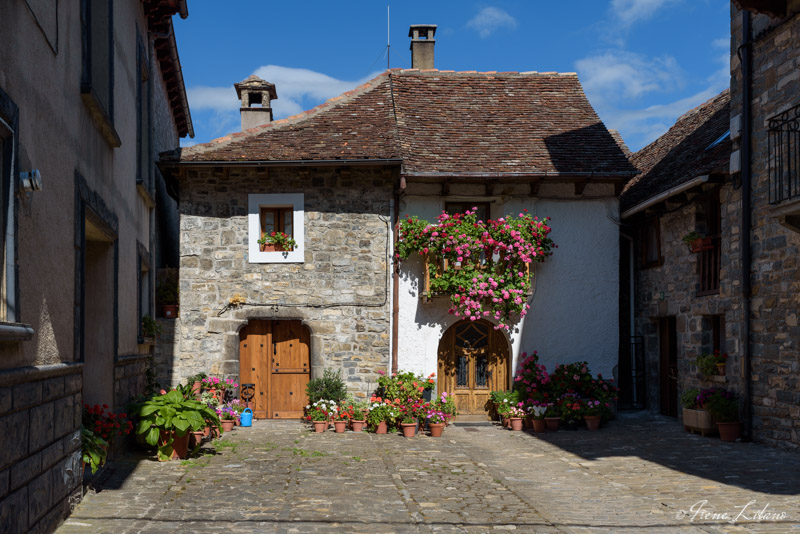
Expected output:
(636, 474)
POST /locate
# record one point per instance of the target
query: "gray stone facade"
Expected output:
(775, 248)
(341, 291)
(40, 460)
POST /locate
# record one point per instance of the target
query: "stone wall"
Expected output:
(40, 460)
(671, 290)
(130, 378)
(775, 267)
(341, 291)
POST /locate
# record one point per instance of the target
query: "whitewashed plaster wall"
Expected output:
(575, 306)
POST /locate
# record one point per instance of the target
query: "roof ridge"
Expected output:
(292, 119)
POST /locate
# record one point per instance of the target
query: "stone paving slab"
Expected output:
(637, 474)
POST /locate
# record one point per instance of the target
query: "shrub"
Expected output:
(689, 398)
(706, 364)
(723, 406)
(330, 386)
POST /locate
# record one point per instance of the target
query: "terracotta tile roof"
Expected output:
(442, 122)
(683, 153)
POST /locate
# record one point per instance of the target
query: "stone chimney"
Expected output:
(422, 42)
(256, 96)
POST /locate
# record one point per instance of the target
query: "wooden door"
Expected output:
(668, 368)
(274, 356)
(473, 362)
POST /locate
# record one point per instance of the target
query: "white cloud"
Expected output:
(490, 19)
(722, 42)
(217, 108)
(620, 73)
(630, 11)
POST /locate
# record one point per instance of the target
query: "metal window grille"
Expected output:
(784, 155)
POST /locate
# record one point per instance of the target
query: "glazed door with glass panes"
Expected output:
(473, 362)
(274, 357)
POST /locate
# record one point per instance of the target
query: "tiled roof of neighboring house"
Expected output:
(683, 153)
(442, 122)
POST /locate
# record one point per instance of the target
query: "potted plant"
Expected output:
(167, 293)
(536, 411)
(571, 410)
(437, 420)
(408, 424)
(94, 449)
(227, 417)
(724, 409)
(720, 359)
(706, 365)
(358, 416)
(378, 415)
(515, 415)
(330, 386)
(276, 242)
(167, 419)
(341, 416)
(150, 329)
(552, 417)
(696, 242)
(319, 414)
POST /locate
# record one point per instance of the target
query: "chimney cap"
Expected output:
(422, 27)
(254, 83)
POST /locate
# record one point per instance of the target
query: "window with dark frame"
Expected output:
(144, 147)
(9, 120)
(483, 213)
(650, 243)
(144, 300)
(277, 220)
(709, 225)
(784, 155)
(97, 39)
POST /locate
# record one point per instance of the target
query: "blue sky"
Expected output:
(642, 63)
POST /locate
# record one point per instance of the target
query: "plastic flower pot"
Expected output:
(320, 426)
(592, 422)
(516, 423)
(436, 429)
(552, 423)
(409, 429)
(357, 426)
(339, 426)
(539, 425)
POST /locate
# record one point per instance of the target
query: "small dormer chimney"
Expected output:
(422, 43)
(256, 96)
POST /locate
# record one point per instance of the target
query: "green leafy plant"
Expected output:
(723, 406)
(706, 364)
(330, 386)
(150, 327)
(94, 449)
(689, 398)
(173, 412)
(404, 385)
(690, 237)
(486, 269)
(504, 401)
(279, 239)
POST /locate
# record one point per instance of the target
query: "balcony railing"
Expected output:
(784, 155)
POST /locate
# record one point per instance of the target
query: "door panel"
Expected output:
(668, 368)
(473, 362)
(275, 357)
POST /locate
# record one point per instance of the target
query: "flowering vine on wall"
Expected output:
(486, 273)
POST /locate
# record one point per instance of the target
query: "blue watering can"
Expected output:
(247, 417)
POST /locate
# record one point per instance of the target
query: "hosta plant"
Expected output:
(94, 449)
(173, 412)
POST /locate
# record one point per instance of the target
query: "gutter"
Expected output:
(283, 163)
(747, 369)
(665, 195)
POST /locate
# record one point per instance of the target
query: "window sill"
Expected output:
(145, 193)
(15, 331)
(101, 118)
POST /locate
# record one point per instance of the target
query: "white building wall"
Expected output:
(575, 305)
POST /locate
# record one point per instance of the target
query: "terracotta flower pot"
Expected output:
(409, 429)
(516, 423)
(382, 428)
(180, 444)
(721, 369)
(552, 423)
(196, 438)
(357, 426)
(729, 431)
(592, 422)
(227, 425)
(339, 426)
(169, 311)
(320, 426)
(539, 425)
(436, 429)
(197, 387)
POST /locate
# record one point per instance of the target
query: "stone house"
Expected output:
(338, 177)
(684, 303)
(753, 314)
(89, 92)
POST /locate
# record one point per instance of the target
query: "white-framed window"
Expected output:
(267, 213)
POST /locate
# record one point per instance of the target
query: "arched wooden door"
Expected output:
(473, 361)
(275, 357)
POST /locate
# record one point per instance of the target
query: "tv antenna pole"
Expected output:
(388, 46)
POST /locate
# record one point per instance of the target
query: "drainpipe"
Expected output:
(396, 272)
(745, 56)
(631, 315)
